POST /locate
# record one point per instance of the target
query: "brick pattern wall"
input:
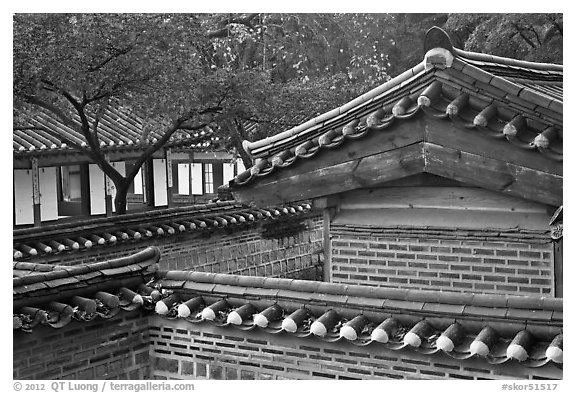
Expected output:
(116, 348)
(181, 350)
(465, 263)
(241, 252)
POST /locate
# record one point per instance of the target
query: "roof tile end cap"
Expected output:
(438, 58)
(437, 38)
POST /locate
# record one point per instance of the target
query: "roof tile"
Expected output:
(362, 302)
(550, 303)
(444, 308)
(506, 85)
(229, 289)
(403, 305)
(477, 73)
(485, 311)
(529, 302)
(173, 283)
(557, 316)
(279, 283)
(295, 296)
(62, 281)
(556, 106)
(487, 300)
(529, 314)
(260, 293)
(200, 286)
(115, 271)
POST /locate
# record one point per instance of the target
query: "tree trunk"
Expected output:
(120, 201)
(239, 136)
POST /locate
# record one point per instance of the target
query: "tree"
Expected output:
(74, 66)
(532, 37)
(231, 72)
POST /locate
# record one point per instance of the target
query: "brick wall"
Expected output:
(466, 261)
(135, 346)
(182, 350)
(242, 251)
(117, 348)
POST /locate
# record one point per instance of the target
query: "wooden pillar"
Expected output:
(143, 176)
(109, 191)
(327, 268)
(36, 191)
(329, 206)
(558, 269)
(169, 179)
(148, 182)
(85, 189)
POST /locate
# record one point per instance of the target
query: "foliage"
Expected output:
(227, 71)
(532, 37)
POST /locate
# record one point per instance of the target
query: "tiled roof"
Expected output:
(117, 130)
(508, 99)
(102, 232)
(496, 327)
(55, 295)
(499, 328)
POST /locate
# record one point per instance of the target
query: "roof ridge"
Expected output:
(321, 289)
(508, 61)
(397, 80)
(438, 38)
(148, 256)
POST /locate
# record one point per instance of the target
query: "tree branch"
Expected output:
(192, 127)
(176, 124)
(521, 32)
(536, 35)
(556, 24)
(91, 139)
(116, 53)
(273, 121)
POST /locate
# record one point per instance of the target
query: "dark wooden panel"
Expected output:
(446, 133)
(494, 175)
(453, 198)
(360, 173)
(558, 269)
(399, 134)
(66, 158)
(217, 174)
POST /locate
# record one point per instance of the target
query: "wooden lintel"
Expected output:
(36, 191)
(325, 202)
(67, 158)
(369, 171)
(401, 134)
(494, 174)
(445, 133)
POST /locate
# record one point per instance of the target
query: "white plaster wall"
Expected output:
(23, 202)
(48, 194)
(196, 174)
(97, 190)
(160, 187)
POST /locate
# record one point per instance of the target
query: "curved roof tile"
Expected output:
(474, 90)
(117, 129)
(103, 232)
(307, 311)
(511, 329)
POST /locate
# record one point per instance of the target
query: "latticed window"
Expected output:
(208, 179)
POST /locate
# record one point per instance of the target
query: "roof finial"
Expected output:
(437, 38)
(439, 49)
